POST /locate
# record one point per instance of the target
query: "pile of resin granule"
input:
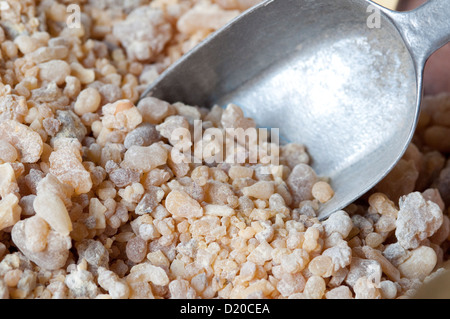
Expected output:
(94, 206)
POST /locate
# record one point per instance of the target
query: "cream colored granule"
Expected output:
(322, 191)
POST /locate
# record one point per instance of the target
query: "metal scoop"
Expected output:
(344, 78)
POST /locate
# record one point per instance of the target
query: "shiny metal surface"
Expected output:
(315, 70)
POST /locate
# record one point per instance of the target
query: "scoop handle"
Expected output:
(424, 29)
